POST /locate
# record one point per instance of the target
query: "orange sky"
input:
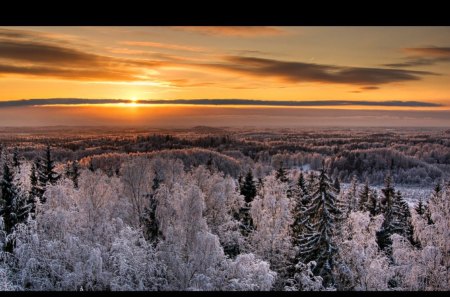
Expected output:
(264, 63)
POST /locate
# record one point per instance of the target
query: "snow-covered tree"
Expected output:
(271, 213)
(317, 244)
(361, 265)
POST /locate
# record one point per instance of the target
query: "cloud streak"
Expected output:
(423, 56)
(298, 72)
(234, 31)
(218, 102)
(21, 53)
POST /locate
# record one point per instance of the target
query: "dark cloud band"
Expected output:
(221, 102)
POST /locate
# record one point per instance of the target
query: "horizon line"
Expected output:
(217, 102)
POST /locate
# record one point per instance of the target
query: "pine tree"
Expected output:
(318, 244)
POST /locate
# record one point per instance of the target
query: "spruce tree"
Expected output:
(14, 209)
(364, 197)
(281, 174)
(352, 196)
(397, 220)
(75, 173)
(149, 221)
(337, 185)
(300, 201)
(68, 171)
(16, 162)
(388, 194)
(34, 193)
(373, 205)
(420, 207)
(49, 168)
(318, 244)
(248, 190)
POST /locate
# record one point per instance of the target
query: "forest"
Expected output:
(224, 209)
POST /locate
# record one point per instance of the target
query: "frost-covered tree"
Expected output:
(222, 204)
(134, 264)
(271, 213)
(13, 207)
(318, 244)
(361, 266)
(304, 279)
(137, 176)
(434, 256)
(188, 249)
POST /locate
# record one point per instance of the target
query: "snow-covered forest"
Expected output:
(207, 211)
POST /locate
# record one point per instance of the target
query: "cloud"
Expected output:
(234, 31)
(221, 102)
(36, 58)
(370, 88)
(434, 51)
(163, 45)
(423, 56)
(297, 72)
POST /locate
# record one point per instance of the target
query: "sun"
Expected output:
(133, 101)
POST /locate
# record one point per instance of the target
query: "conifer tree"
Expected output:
(300, 201)
(364, 197)
(397, 220)
(248, 190)
(373, 204)
(337, 185)
(150, 222)
(281, 174)
(16, 162)
(14, 209)
(34, 193)
(388, 194)
(420, 207)
(48, 168)
(318, 244)
(75, 173)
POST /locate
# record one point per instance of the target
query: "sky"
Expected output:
(271, 76)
